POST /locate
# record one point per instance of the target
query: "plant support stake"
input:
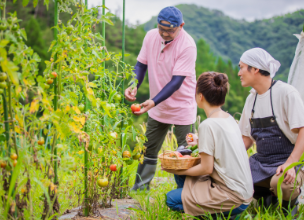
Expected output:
(123, 66)
(86, 208)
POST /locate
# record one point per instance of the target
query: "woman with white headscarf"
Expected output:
(273, 118)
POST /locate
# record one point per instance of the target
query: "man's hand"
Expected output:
(146, 106)
(290, 175)
(130, 94)
(191, 140)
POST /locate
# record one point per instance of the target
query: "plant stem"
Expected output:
(6, 123)
(122, 86)
(86, 155)
(12, 116)
(4, 7)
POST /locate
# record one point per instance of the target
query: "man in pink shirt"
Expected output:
(169, 54)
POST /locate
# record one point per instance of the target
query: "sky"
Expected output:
(142, 10)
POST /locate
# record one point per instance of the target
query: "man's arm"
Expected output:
(247, 141)
(169, 89)
(165, 93)
(140, 70)
(294, 157)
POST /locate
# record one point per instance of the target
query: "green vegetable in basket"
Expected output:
(193, 148)
(195, 153)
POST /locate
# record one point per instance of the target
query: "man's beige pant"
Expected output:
(290, 191)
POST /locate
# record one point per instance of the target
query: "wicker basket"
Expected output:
(178, 163)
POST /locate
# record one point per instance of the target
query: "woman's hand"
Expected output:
(177, 172)
(191, 139)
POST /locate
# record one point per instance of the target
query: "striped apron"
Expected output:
(273, 147)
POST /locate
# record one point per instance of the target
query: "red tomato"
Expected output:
(190, 136)
(179, 154)
(53, 75)
(187, 156)
(113, 167)
(135, 107)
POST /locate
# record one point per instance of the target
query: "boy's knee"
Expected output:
(288, 190)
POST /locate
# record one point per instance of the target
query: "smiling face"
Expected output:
(246, 76)
(167, 33)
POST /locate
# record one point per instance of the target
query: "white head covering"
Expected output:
(261, 59)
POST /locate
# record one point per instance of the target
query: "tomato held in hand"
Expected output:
(113, 167)
(135, 107)
(190, 136)
(126, 154)
(103, 182)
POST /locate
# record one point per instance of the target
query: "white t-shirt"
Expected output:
(288, 109)
(222, 139)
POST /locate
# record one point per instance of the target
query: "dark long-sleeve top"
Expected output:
(167, 91)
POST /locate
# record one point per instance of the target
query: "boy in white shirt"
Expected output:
(272, 118)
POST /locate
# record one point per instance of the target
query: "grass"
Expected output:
(153, 206)
(152, 203)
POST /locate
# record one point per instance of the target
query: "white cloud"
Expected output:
(143, 10)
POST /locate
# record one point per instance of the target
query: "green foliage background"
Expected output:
(220, 42)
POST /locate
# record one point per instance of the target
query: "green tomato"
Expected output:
(69, 29)
(1, 91)
(3, 85)
(117, 98)
(15, 27)
(19, 38)
(90, 148)
(10, 20)
(129, 161)
(113, 107)
(107, 107)
(3, 27)
(46, 86)
(3, 77)
(136, 156)
(81, 107)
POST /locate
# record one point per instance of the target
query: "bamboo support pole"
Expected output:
(86, 156)
(122, 84)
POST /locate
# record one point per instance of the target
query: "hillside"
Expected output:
(229, 37)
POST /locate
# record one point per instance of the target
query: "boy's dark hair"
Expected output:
(214, 87)
(263, 72)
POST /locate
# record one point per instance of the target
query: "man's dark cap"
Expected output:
(172, 15)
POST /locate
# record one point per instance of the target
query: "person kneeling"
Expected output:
(273, 118)
(222, 181)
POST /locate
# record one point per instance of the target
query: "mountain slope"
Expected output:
(229, 37)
